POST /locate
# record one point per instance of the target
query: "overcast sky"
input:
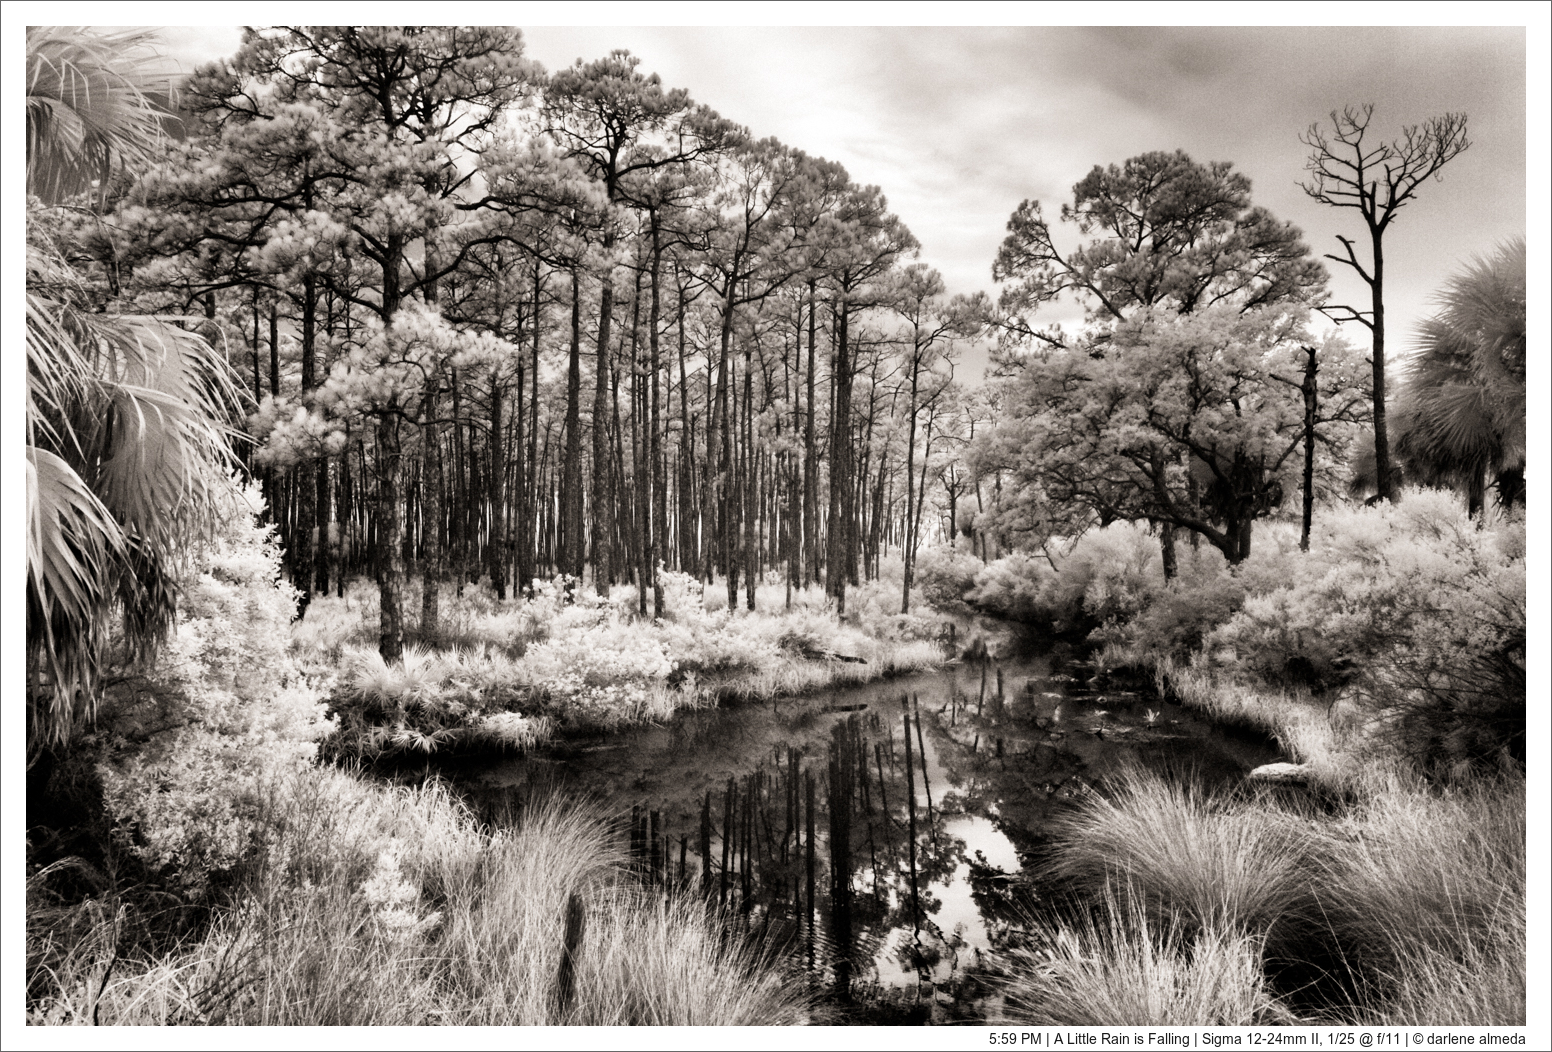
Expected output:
(958, 125)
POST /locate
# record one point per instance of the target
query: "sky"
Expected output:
(958, 125)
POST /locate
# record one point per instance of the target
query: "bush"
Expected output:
(874, 606)
(1413, 610)
(429, 701)
(1116, 571)
(189, 744)
(1015, 586)
(598, 674)
(1109, 574)
(1180, 613)
(945, 576)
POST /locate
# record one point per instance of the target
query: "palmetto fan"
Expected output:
(1461, 413)
(127, 449)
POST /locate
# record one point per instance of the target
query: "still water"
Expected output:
(879, 833)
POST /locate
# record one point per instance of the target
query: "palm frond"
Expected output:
(58, 374)
(162, 438)
(73, 548)
(88, 106)
(1460, 411)
(128, 458)
(1487, 300)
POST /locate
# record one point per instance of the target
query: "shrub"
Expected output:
(874, 607)
(1118, 568)
(1413, 610)
(1108, 574)
(683, 595)
(595, 663)
(597, 674)
(1451, 696)
(189, 744)
(1180, 613)
(429, 701)
(1015, 586)
(945, 575)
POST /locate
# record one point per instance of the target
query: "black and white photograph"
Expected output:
(1019, 528)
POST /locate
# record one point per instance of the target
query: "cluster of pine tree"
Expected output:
(498, 322)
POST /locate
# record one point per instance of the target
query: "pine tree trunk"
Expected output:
(497, 554)
(842, 524)
(656, 526)
(689, 522)
(604, 506)
(810, 464)
(389, 547)
(747, 492)
(726, 526)
(1311, 394)
(433, 563)
(527, 544)
(909, 546)
(572, 542)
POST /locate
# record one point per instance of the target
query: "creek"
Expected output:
(880, 835)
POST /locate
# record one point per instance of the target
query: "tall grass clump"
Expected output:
(1427, 895)
(1115, 965)
(1403, 904)
(1210, 863)
(387, 906)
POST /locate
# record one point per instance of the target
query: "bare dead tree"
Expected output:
(1377, 179)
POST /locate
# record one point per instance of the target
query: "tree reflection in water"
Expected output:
(816, 814)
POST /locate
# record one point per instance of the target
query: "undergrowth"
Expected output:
(372, 905)
(513, 673)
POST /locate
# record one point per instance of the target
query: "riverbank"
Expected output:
(512, 674)
(1348, 889)
(192, 862)
(1376, 876)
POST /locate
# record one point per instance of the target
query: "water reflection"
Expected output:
(879, 833)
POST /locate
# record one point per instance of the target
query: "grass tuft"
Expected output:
(1117, 966)
(1213, 863)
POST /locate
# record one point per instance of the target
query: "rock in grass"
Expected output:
(1281, 774)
